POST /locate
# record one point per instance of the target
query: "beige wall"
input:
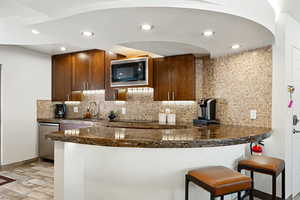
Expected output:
(240, 82)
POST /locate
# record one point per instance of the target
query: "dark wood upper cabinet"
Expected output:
(74, 72)
(162, 79)
(61, 77)
(183, 77)
(81, 71)
(88, 70)
(111, 94)
(97, 73)
(174, 78)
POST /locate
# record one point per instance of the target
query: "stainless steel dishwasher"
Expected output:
(46, 147)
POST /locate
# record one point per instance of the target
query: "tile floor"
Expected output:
(33, 182)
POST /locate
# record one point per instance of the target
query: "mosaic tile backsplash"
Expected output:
(240, 82)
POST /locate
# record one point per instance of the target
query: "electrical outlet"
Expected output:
(123, 111)
(75, 109)
(253, 114)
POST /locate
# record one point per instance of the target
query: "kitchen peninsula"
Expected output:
(154, 135)
(138, 159)
(108, 161)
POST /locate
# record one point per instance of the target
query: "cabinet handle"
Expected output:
(168, 96)
(68, 97)
(173, 94)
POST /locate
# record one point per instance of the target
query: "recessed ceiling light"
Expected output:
(63, 48)
(208, 33)
(87, 33)
(146, 27)
(235, 46)
(34, 31)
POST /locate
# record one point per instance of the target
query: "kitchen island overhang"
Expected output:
(190, 137)
(149, 169)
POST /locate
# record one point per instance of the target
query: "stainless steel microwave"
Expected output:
(129, 72)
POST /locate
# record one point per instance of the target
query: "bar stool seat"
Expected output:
(263, 163)
(218, 180)
(266, 165)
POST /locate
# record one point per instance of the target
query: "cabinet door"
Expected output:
(183, 77)
(61, 77)
(97, 75)
(110, 93)
(81, 71)
(162, 79)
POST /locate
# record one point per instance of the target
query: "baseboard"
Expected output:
(16, 164)
(266, 196)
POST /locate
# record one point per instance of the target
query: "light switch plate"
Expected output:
(253, 114)
(123, 111)
(75, 109)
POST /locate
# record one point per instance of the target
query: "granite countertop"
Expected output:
(120, 124)
(152, 135)
(61, 120)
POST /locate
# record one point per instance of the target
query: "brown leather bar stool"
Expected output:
(265, 165)
(219, 181)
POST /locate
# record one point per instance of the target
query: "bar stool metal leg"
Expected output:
(251, 191)
(252, 177)
(186, 188)
(212, 197)
(274, 187)
(239, 196)
(251, 194)
(239, 193)
(283, 184)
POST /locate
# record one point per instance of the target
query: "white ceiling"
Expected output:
(176, 30)
(291, 6)
(166, 48)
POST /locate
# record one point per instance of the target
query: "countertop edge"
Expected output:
(161, 144)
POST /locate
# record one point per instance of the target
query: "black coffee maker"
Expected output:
(208, 109)
(207, 114)
(60, 110)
